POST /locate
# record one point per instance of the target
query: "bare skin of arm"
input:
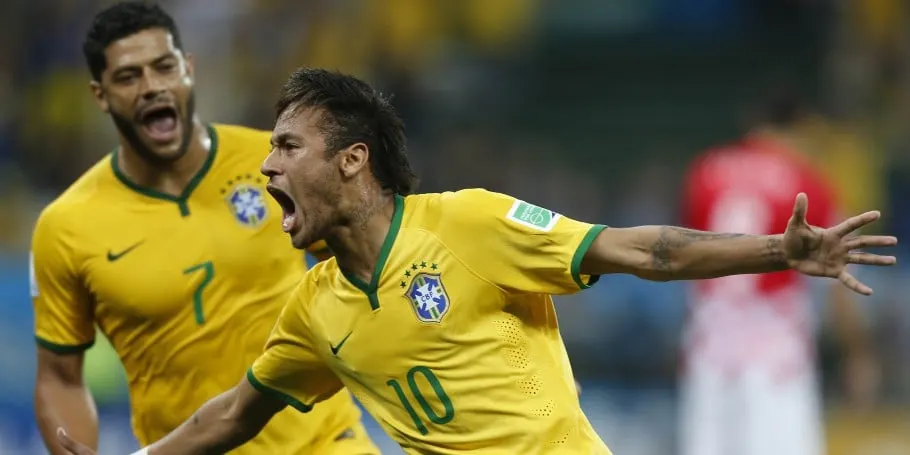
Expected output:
(664, 253)
(62, 399)
(220, 425)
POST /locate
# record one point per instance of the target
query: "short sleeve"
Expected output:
(516, 245)
(290, 369)
(64, 315)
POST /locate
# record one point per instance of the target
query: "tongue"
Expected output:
(163, 124)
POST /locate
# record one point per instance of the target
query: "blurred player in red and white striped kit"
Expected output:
(749, 384)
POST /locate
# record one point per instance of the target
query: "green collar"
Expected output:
(185, 195)
(370, 288)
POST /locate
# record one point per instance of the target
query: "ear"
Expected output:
(99, 95)
(353, 159)
(190, 67)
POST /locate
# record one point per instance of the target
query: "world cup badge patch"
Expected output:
(247, 205)
(426, 292)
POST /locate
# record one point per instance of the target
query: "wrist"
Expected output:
(776, 254)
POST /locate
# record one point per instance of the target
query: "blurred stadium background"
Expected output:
(589, 107)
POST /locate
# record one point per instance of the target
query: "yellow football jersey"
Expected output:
(453, 346)
(187, 289)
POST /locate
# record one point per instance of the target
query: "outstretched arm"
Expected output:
(664, 253)
(220, 425)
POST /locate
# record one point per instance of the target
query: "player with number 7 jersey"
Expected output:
(186, 289)
(170, 246)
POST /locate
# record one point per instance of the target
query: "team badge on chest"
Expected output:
(426, 293)
(246, 202)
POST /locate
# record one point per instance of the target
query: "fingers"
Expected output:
(869, 241)
(800, 208)
(870, 259)
(855, 285)
(71, 446)
(855, 222)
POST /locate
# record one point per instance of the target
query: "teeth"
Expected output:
(287, 222)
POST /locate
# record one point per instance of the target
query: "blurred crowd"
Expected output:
(590, 108)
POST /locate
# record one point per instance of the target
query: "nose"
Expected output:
(152, 85)
(269, 168)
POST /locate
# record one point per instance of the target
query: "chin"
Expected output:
(168, 153)
(299, 241)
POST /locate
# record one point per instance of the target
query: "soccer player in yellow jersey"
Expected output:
(172, 248)
(436, 309)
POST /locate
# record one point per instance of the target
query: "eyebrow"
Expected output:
(156, 61)
(283, 138)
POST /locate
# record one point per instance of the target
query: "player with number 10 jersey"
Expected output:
(453, 346)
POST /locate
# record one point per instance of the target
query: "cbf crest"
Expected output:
(246, 201)
(425, 292)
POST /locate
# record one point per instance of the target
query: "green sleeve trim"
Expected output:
(266, 390)
(580, 255)
(63, 348)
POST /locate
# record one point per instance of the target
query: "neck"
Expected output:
(358, 243)
(169, 178)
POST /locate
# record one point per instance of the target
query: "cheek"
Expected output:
(314, 187)
(304, 187)
(120, 106)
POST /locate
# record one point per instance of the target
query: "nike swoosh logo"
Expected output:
(111, 257)
(338, 346)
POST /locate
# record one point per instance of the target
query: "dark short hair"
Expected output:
(120, 21)
(354, 112)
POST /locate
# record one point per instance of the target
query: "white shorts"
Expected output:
(753, 414)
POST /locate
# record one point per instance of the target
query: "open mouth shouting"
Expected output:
(289, 218)
(160, 123)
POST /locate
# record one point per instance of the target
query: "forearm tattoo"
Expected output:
(774, 251)
(671, 240)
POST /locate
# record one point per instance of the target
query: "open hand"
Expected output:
(72, 447)
(815, 251)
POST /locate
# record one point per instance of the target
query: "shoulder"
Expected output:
(71, 207)
(54, 237)
(469, 213)
(454, 209)
(321, 272)
(320, 276)
(470, 201)
(318, 279)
